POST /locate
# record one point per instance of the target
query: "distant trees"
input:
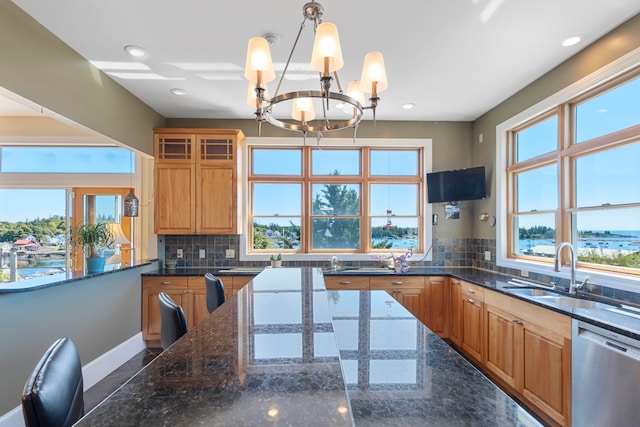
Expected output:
(537, 232)
(334, 230)
(41, 229)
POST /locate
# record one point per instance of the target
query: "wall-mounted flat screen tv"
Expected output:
(456, 185)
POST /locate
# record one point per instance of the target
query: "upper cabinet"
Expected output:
(196, 181)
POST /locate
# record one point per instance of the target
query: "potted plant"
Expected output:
(276, 260)
(90, 237)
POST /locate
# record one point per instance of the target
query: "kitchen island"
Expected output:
(284, 351)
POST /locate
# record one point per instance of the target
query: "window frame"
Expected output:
(563, 103)
(424, 214)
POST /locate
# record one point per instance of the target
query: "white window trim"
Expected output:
(609, 71)
(425, 143)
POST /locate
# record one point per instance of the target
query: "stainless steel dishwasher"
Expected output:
(605, 384)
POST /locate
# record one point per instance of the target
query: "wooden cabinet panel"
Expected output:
(338, 283)
(407, 290)
(198, 292)
(473, 328)
(216, 200)
(437, 305)
(174, 193)
(547, 372)
(504, 346)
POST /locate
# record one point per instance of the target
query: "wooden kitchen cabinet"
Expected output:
(455, 313)
(196, 181)
(529, 351)
(437, 305)
(473, 325)
(342, 283)
(407, 290)
(190, 292)
(176, 287)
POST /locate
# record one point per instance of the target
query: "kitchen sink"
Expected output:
(367, 270)
(572, 302)
(532, 292)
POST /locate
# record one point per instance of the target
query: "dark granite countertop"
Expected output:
(62, 278)
(622, 321)
(334, 358)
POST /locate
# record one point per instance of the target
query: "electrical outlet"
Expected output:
(230, 253)
(203, 254)
(524, 273)
(487, 255)
(180, 253)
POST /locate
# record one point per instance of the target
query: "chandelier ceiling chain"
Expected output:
(327, 59)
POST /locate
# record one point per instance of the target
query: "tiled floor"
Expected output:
(111, 382)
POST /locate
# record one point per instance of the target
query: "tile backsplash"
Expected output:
(454, 252)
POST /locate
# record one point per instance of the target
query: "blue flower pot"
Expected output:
(95, 265)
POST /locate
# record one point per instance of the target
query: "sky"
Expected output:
(26, 204)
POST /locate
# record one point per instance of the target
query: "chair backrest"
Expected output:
(173, 321)
(53, 395)
(215, 291)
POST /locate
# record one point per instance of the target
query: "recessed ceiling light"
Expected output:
(408, 105)
(178, 92)
(135, 51)
(571, 41)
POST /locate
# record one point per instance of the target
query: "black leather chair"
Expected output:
(173, 321)
(53, 395)
(215, 291)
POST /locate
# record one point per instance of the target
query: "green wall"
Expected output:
(38, 66)
(612, 46)
(98, 314)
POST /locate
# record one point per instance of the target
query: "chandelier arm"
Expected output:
(286, 66)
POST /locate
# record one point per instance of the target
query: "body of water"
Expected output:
(618, 240)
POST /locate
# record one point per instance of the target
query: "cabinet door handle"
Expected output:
(165, 283)
(472, 291)
(471, 300)
(397, 283)
(345, 283)
(517, 322)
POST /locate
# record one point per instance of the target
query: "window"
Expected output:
(335, 199)
(571, 176)
(36, 206)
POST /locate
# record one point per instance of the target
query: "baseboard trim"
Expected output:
(108, 362)
(92, 373)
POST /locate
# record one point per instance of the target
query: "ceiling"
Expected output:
(454, 60)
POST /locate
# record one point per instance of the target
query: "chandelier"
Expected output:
(326, 58)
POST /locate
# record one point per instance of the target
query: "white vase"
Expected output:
(276, 264)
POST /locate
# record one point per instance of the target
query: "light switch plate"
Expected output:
(230, 253)
(203, 254)
(487, 255)
(180, 253)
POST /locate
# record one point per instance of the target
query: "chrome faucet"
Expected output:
(334, 263)
(573, 286)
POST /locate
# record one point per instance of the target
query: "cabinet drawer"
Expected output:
(197, 283)
(334, 283)
(473, 291)
(166, 281)
(385, 283)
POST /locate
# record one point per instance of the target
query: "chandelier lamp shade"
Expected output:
(326, 59)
